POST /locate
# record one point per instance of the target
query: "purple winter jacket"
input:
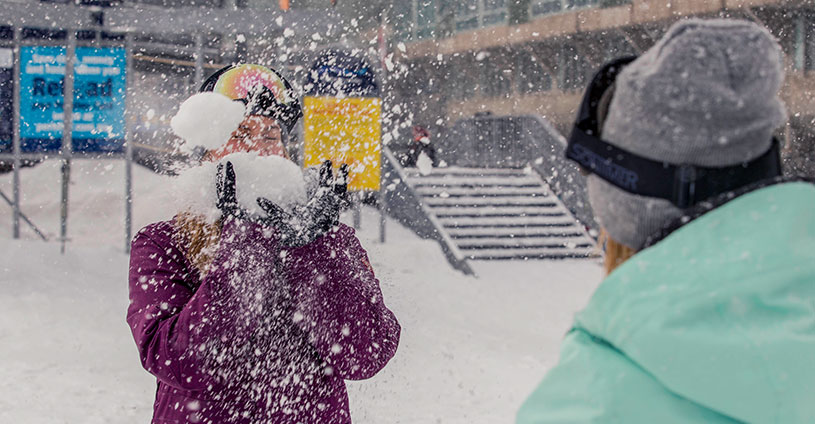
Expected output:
(267, 336)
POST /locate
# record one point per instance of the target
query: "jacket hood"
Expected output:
(722, 311)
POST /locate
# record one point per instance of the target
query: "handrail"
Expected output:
(442, 237)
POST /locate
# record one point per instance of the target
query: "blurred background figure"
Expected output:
(420, 145)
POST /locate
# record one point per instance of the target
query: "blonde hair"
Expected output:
(198, 239)
(616, 253)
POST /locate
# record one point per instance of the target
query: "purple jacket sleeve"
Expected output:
(339, 304)
(171, 321)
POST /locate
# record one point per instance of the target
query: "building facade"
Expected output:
(518, 57)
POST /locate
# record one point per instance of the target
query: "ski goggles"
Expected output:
(262, 90)
(682, 184)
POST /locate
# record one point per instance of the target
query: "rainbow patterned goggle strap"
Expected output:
(238, 82)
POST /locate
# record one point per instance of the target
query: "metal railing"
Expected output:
(406, 206)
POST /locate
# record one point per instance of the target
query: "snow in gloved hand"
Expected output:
(271, 177)
(309, 222)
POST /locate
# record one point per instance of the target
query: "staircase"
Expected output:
(495, 214)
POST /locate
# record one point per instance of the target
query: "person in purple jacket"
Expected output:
(250, 320)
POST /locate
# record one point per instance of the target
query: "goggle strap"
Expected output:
(645, 177)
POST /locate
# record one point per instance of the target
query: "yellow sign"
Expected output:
(345, 131)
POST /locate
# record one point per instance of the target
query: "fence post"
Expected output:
(67, 133)
(15, 223)
(129, 118)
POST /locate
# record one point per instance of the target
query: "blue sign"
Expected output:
(99, 99)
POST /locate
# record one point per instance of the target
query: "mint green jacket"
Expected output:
(713, 324)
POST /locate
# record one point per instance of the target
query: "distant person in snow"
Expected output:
(420, 144)
(257, 320)
(707, 312)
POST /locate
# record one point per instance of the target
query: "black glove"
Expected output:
(322, 212)
(225, 190)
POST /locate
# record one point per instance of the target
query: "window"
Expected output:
(572, 69)
(462, 80)
(495, 12)
(545, 7)
(531, 77)
(472, 14)
(466, 8)
(809, 42)
(576, 4)
(401, 19)
(494, 4)
(616, 46)
(467, 15)
(493, 81)
(425, 19)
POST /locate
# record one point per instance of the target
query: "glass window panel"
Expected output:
(425, 13)
(467, 7)
(573, 4)
(467, 24)
(494, 4)
(545, 7)
(531, 77)
(809, 43)
(401, 18)
(498, 18)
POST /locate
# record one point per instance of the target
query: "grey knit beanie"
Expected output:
(705, 94)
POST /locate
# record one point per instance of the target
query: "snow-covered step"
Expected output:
(489, 210)
(462, 190)
(500, 214)
(521, 242)
(470, 183)
(533, 232)
(476, 200)
(461, 171)
(508, 221)
(524, 254)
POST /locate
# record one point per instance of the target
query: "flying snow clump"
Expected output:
(207, 120)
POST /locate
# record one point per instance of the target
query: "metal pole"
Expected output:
(199, 60)
(67, 133)
(799, 51)
(357, 213)
(382, 212)
(15, 223)
(129, 114)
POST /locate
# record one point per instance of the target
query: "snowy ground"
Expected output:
(471, 349)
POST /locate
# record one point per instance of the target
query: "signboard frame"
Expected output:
(346, 131)
(124, 152)
(100, 96)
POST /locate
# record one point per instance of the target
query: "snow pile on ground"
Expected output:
(207, 120)
(471, 349)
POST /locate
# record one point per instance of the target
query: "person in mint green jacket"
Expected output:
(708, 312)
